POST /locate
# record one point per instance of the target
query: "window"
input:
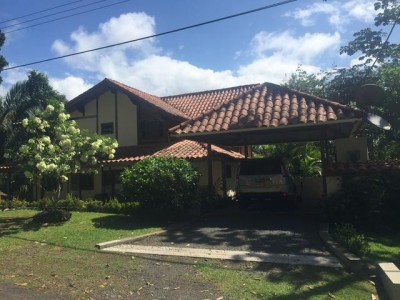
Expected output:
(107, 128)
(151, 130)
(84, 182)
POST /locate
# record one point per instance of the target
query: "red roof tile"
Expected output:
(267, 105)
(389, 167)
(194, 104)
(182, 149)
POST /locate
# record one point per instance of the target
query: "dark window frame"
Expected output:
(107, 128)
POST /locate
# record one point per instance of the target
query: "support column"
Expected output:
(324, 156)
(223, 166)
(210, 171)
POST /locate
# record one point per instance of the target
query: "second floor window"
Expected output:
(107, 128)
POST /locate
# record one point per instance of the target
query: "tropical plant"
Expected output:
(163, 185)
(57, 148)
(3, 62)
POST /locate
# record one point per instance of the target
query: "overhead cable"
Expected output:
(155, 35)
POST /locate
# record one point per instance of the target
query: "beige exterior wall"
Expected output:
(88, 124)
(311, 189)
(127, 121)
(351, 149)
(106, 109)
(125, 127)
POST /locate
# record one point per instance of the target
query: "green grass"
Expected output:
(83, 231)
(62, 259)
(269, 281)
(384, 248)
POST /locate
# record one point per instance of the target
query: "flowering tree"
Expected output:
(57, 148)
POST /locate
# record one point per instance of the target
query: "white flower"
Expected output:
(64, 178)
(111, 156)
(25, 122)
(50, 108)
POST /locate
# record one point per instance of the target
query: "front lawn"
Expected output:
(384, 248)
(270, 281)
(62, 260)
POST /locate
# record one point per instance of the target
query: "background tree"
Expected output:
(3, 62)
(56, 148)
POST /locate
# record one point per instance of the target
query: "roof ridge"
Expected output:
(213, 109)
(208, 91)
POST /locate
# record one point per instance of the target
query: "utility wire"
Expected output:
(40, 11)
(50, 15)
(68, 16)
(158, 34)
(387, 39)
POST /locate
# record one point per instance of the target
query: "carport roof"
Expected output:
(269, 113)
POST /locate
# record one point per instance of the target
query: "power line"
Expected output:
(50, 15)
(387, 39)
(68, 16)
(40, 11)
(156, 35)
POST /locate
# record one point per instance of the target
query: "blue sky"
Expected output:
(260, 47)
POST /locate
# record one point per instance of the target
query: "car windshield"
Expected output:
(260, 167)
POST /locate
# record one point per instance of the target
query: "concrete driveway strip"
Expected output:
(322, 261)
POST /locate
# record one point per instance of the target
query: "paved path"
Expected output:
(323, 261)
(280, 237)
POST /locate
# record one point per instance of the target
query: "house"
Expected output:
(140, 123)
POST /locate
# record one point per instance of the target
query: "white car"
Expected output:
(265, 180)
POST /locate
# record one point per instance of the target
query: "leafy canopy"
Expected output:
(57, 147)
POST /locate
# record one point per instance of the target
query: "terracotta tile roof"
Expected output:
(389, 167)
(194, 104)
(182, 149)
(267, 105)
(145, 97)
(192, 149)
(154, 100)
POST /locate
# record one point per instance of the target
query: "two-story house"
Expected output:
(140, 122)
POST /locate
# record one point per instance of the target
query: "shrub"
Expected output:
(162, 185)
(347, 235)
(52, 215)
(369, 202)
(112, 206)
(94, 205)
(71, 203)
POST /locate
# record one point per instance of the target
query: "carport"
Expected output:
(270, 114)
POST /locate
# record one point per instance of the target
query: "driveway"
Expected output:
(255, 231)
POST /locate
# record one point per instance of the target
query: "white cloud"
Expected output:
(70, 86)
(151, 69)
(303, 48)
(11, 77)
(338, 13)
(126, 27)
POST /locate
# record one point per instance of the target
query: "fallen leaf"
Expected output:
(203, 291)
(166, 288)
(220, 298)
(21, 284)
(101, 286)
(108, 277)
(257, 278)
(309, 287)
(371, 282)
(254, 293)
(374, 297)
(177, 288)
(331, 295)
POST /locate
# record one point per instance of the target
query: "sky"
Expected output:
(266, 46)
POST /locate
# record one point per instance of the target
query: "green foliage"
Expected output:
(301, 159)
(71, 203)
(3, 62)
(371, 43)
(57, 148)
(347, 235)
(163, 185)
(53, 215)
(369, 202)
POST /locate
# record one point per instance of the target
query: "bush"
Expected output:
(162, 185)
(53, 215)
(71, 203)
(347, 235)
(14, 203)
(369, 202)
(112, 206)
(94, 205)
